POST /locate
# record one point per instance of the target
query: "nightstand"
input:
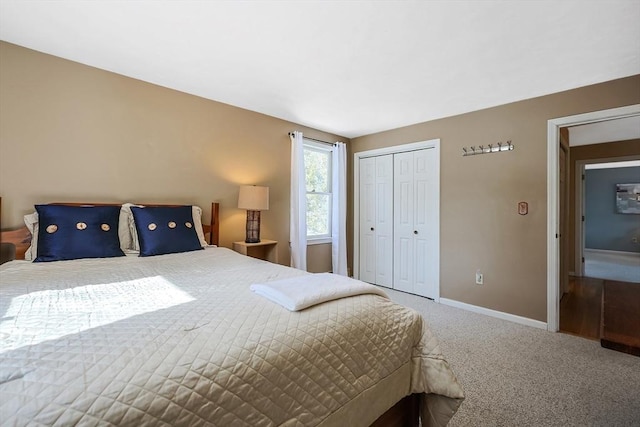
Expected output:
(265, 249)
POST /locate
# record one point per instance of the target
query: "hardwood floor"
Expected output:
(581, 307)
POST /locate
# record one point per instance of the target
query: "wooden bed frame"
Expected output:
(21, 237)
(405, 413)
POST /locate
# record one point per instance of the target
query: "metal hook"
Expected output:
(489, 148)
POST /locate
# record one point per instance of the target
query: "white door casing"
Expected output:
(553, 250)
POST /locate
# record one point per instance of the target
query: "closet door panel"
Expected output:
(367, 260)
(426, 228)
(384, 220)
(403, 265)
(403, 203)
(376, 220)
(421, 277)
(415, 202)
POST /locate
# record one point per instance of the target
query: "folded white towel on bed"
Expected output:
(298, 293)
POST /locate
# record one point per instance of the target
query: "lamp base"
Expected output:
(253, 227)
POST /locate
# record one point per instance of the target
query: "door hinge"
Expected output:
(582, 218)
(583, 259)
(583, 177)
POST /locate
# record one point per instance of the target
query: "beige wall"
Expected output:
(480, 226)
(318, 261)
(619, 149)
(70, 132)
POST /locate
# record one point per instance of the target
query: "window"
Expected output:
(317, 164)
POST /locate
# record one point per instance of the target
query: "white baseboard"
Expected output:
(494, 313)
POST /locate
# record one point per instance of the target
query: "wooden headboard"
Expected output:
(21, 237)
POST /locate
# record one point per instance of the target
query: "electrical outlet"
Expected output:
(479, 278)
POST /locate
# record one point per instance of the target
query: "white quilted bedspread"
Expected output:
(180, 340)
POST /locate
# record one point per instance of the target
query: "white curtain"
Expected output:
(339, 210)
(298, 227)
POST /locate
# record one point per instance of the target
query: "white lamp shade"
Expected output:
(253, 198)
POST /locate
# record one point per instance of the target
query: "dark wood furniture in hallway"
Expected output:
(581, 308)
(603, 310)
(621, 317)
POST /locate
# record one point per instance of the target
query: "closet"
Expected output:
(398, 218)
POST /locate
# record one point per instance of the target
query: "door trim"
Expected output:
(553, 250)
(578, 266)
(432, 143)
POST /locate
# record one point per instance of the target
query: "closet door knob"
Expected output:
(371, 228)
(415, 231)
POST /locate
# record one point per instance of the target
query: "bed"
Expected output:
(179, 339)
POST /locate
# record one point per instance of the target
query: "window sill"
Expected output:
(318, 241)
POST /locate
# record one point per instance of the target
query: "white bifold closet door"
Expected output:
(415, 249)
(376, 220)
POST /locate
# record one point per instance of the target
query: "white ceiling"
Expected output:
(605, 131)
(346, 67)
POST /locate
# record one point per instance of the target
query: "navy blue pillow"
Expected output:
(73, 232)
(165, 230)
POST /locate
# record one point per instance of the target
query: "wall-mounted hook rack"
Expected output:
(490, 148)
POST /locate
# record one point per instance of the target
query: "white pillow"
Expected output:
(31, 221)
(128, 228)
(125, 236)
(135, 244)
(197, 221)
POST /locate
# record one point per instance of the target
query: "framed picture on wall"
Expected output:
(628, 198)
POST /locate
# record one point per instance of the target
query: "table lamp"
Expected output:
(254, 199)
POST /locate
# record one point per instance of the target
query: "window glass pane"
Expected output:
(318, 214)
(316, 165)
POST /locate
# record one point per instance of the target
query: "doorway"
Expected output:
(607, 241)
(604, 246)
(554, 196)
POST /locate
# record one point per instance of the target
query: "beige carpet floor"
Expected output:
(515, 375)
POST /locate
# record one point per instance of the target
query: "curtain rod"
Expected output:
(313, 139)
